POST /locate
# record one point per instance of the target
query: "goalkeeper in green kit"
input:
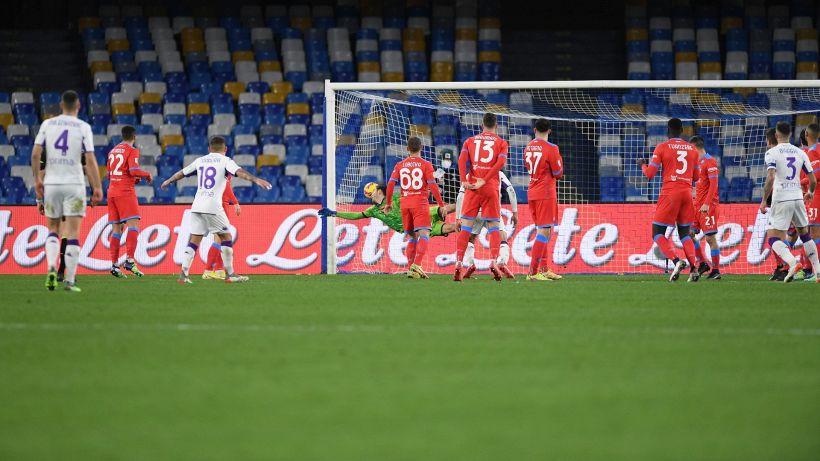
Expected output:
(392, 218)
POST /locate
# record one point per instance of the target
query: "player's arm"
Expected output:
(391, 186)
(651, 169)
(235, 170)
(714, 176)
(511, 194)
(767, 188)
(811, 176)
(430, 178)
(463, 164)
(91, 168)
(500, 161)
(556, 165)
(36, 157)
(134, 167)
(186, 171)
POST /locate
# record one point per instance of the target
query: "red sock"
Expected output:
(538, 253)
(715, 258)
(131, 241)
(213, 253)
(420, 250)
(411, 251)
(689, 250)
(666, 246)
(218, 264)
(114, 242)
(461, 243)
(546, 256)
(494, 236)
(804, 260)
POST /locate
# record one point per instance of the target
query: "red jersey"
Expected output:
(706, 190)
(483, 156)
(679, 161)
(414, 175)
(814, 157)
(544, 164)
(228, 197)
(124, 170)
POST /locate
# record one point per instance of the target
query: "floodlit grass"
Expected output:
(385, 368)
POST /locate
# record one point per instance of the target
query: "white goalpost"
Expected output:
(601, 127)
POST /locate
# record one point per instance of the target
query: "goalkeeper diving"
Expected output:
(377, 193)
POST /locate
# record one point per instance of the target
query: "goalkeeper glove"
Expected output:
(325, 212)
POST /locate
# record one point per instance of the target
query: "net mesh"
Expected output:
(601, 135)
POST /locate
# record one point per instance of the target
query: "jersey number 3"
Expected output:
(683, 163)
(411, 179)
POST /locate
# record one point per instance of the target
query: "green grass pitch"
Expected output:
(385, 368)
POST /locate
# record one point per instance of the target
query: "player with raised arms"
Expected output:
(545, 167)
(707, 211)
(124, 173)
(479, 223)
(813, 205)
(783, 164)
(207, 214)
(60, 186)
(414, 175)
(679, 161)
(482, 157)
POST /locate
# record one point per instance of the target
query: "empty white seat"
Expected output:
(295, 129)
(731, 131)
(806, 45)
(145, 56)
(341, 56)
(660, 46)
(441, 56)
(156, 87)
(154, 120)
(809, 75)
(783, 56)
(247, 77)
(419, 22)
(165, 45)
(736, 67)
(162, 33)
(317, 149)
(489, 34)
(174, 108)
(146, 192)
(707, 35)
(683, 34)
(783, 34)
(278, 150)
(250, 98)
(312, 86)
(297, 170)
(6, 151)
(17, 129)
(708, 46)
(151, 151)
(101, 77)
(245, 66)
(367, 44)
(642, 67)
(215, 33)
(465, 46)
(609, 140)
(465, 21)
(271, 76)
(757, 171)
(245, 159)
(228, 120)
(314, 186)
(735, 172)
(182, 22)
(217, 45)
(115, 33)
(734, 150)
(144, 140)
(219, 56)
(780, 101)
(24, 171)
(98, 56)
(661, 22)
(802, 22)
(173, 66)
(244, 140)
(369, 77)
(169, 129)
(100, 140)
(159, 22)
(292, 44)
(390, 33)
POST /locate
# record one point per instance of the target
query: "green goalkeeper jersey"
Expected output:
(391, 219)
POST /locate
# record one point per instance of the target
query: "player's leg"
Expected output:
(61, 267)
(199, 227)
(780, 217)
(539, 252)
(227, 260)
(504, 256)
(714, 254)
(469, 253)
(214, 267)
(114, 249)
(421, 233)
(469, 211)
(689, 250)
(814, 233)
(550, 218)
(801, 222)
(410, 253)
(72, 250)
(131, 234)
(52, 251)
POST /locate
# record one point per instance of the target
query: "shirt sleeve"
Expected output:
(231, 167)
(504, 179)
(40, 139)
(770, 162)
(88, 139)
(429, 174)
(557, 164)
(806, 163)
(190, 168)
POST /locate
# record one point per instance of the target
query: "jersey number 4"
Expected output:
(485, 146)
(115, 170)
(411, 179)
(532, 167)
(61, 143)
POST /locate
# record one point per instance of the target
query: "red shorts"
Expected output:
(544, 212)
(487, 200)
(123, 208)
(416, 218)
(675, 208)
(707, 222)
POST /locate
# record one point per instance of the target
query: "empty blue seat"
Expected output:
(267, 196)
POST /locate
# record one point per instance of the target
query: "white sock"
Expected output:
(783, 251)
(52, 250)
(72, 258)
(227, 259)
(187, 259)
(469, 255)
(811, 251)
(504, 253)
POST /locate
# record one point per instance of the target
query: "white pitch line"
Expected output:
(440, 329)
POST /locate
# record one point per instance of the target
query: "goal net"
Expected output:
(606, 205)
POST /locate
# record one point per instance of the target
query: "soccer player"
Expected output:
(480, 223)
(707, 211)
(545, 167)
(482, 157)
(123, 208)
(60, 187)
(813, 205)
(414, 175)
(392, 217)
(214, 267)
(679, 161)
(207, 214)
(783, 162)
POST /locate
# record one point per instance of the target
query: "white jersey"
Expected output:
(65, 139)
(503, 181)
(787, 161)
(211, 171)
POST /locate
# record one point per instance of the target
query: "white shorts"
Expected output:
(783, 214)
(206, 223)
(61, 200)
(479, 223)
